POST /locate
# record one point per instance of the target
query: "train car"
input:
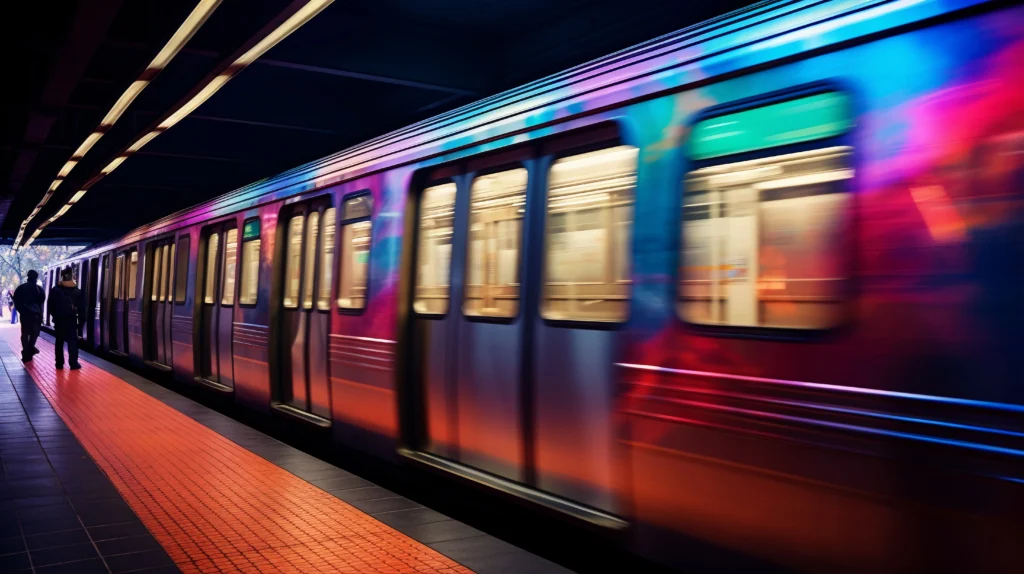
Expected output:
(751, 286)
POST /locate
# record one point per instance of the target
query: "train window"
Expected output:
(323, 299)
(133, 270)
(309, 265)
(209, 278)
(293, 262)
(230, 261)
(250, 262)
(589, 230)
(356, 229)
(118, 276)
(155, 288)
(181, 274)
(436, 226)
(169, 274)
(763, 241)
(497, 205)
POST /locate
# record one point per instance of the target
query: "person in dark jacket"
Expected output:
(28, 301)
(67, 308)
(9, 302)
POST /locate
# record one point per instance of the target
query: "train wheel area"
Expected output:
(127, 475)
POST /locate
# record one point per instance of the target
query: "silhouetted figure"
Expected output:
(28, 300)
(67, 309)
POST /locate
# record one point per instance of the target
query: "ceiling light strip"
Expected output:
(304, 14)
(188, 28)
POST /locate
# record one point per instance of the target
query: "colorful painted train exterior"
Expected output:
(755, 284)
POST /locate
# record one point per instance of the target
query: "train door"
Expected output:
(81, 277)
(584, 302)
(91, 289)
(468, 318)
(125, 277)
(117, 303)
(434, 328)
(104, 300)
(517, 301)
(305, 309)
(161, 284)
(47, 285)
(216, 315)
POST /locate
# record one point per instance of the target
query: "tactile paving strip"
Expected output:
(213, 505)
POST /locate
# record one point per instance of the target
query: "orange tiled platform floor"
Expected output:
(213, 505)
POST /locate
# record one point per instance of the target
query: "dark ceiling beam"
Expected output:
(91, 21)
(187, 156)
(318, 70)
(362, 76)
(219, 119)
(143, 186)
(263, 124)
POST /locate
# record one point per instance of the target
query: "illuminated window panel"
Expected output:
(157, 273)
(309, 266)
(498, 202)
(169, 273)
(293, 261)
(212, 248)
(230, 262)
(589, 230)
(433, 262)
(763, 241)
(133, 273)
(356, 234)
(181, 273)
(323, 300)
(250, 263)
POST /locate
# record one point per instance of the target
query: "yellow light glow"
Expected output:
(64, 171)
(113, 164)
(78, 195)
(87, 145)
(809, 179)
(143, 141)
(196, 101)
(184, 33)
(123, 102)
(55, 184)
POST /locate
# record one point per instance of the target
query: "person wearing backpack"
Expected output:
(28, 301)
(66, 307)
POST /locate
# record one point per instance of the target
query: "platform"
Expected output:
(105, 471)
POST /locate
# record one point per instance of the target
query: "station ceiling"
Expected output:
(356, 70)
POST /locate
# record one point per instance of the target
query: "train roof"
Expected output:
(744, 39)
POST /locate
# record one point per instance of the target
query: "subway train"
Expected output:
(753, 286)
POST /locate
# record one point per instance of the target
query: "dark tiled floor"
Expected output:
(473, 548)
(58, 511)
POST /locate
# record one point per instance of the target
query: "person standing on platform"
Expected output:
(10, 306)
(28, 300)
(67, 309)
